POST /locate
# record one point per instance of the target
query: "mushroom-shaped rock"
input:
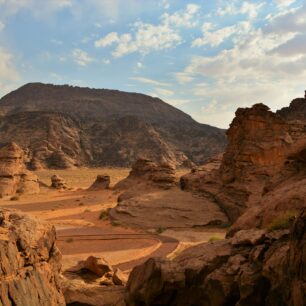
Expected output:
(102, 182)
(58, 182)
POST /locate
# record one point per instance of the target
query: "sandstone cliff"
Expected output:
(265, 152)
(65, 126)
(14, 177)
(29, 262)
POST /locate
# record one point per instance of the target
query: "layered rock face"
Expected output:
(14, 178)
(151, 199)
(58, 183)
(29, 262)
(264, 151)
(102, 127)
(253, 268)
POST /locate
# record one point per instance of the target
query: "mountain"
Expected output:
(62, 126)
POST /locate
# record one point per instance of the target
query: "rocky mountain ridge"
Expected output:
(65, 126)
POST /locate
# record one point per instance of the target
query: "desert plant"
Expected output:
(283, 221)
(214, 239)
(14, 198)
(104, 214)
(116, 223)
(69, 240)
(87, 210)
(81, 204)
(160, 229)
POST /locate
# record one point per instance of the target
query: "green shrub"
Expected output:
(116, 223)
(283, 221)
(160, 229)
(14, 198)
(214, 239)
(104, 214)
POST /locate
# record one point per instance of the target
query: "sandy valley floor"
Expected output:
(81, 232)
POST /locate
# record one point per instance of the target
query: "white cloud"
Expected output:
(56, 41)
(150, 81)
(264, 65)
(184, 18)
(1, 26)
(164, 92)
(244, 8)
(139, 65)
(81, 57)
(165, 4)
(8, 74)
(176, 102)
(215, 38)
(146, 37)
(183, 77)
(284, 3)
(108, 40)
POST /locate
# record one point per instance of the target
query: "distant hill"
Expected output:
(65, 126)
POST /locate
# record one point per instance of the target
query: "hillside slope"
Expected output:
(65, 126)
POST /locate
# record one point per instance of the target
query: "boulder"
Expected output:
(94, 282)
(58, 182)
(29, 262)
(98, 266)
(14, 177)
(102, 182)
(266, 270)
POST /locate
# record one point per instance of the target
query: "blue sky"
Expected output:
(204, 57)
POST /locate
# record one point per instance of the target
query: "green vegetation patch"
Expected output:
(283, 221)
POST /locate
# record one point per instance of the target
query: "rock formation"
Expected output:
(102, 182)
(94, 282)
(146, 172)
(150, 199)
(265, 152)
(58, 182)
(102, 127)
(29, 262)
(14, 178)
(253, 268)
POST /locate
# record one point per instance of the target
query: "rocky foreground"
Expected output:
(30, 262)
(253, 268)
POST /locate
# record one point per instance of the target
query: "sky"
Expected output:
(204, 57)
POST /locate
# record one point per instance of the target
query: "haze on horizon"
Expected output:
(205, 58)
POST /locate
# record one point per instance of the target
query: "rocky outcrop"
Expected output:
(146, 172)
(65, 126)
(253, 268)
(94, 282)
(296, 110)
(14, 177)
(264, 151)
(29, 262)
(58, 182)
(150, 199)
(102, 182)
